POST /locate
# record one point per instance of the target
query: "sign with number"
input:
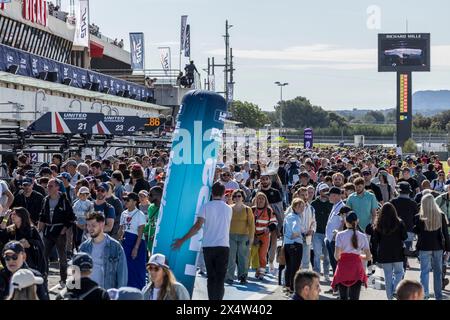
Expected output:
(67, 123)
(154, 123)
(123, 125)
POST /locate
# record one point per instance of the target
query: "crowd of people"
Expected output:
(333, 214)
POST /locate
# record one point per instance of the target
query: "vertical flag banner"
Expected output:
(165, 57)
(308, 138)
(137, 51)
(183, 32)
(190, 175)
(41, 12)
(82, 26)
(187, 44)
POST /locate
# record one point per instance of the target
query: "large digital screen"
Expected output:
(403, 52)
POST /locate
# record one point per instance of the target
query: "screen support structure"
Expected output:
(404, 107)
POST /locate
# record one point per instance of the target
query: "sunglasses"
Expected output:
(153, 268)
(13, 257)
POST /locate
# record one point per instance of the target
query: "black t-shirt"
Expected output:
(322, 211)
(413, 183)
(376, 191)
(273, 195)
(39, 189)
(430, 175)
(406, 210)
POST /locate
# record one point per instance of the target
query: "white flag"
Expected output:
(82, 26)
(183, 32)
(164, 55)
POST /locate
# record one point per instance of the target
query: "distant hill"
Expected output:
(431, 102)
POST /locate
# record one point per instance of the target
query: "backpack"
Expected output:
(66, 295)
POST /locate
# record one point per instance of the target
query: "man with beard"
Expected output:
(338, 180)
(101, 205)
(109, 261)
(276, 202)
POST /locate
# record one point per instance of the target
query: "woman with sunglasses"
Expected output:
(439, 183)
(163, 285)
(23, 230)
(242, 229)
(131, 234)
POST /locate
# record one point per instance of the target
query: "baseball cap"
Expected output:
(27, 181)
(136, 167)
(83, 261)
(104, 186)
(158, 259)
(404, 187)
(72, 163)
(64, 175)
(351, 217)
(84, 190)
(45, 170)
(323, 187)
(24, 278)
(30, 174)
(335, 190)
(125, 293)
(132, 196)
(13, 246)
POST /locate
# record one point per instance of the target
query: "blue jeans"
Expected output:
(409, 241)
(431, 260)
(330, 248)
(306, 256)
(320, 248)
(393, 274)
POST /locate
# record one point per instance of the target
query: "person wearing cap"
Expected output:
(131, 234)
(163, 285)
(431, 227)
(144, 201)
(97, 172)
(24, 286)
(215, 217)
(83, 288)
(334, 223)
(406, 209)
(69, 189)
(352, 247)
(369, 185)
(139, 182)
(100, 205)
(118, 209)
(14, 259)
(81, 208)
(36, 187)
(406, 176)
(227, 180)
(153, 213)
(322, 209)
(27, 234)
(29, 199)
(56, 217)
(70, 166)
(110, 264)
(363, 203)
(125, 293)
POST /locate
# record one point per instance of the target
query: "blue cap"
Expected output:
(103, 185)
(27, 181)
(125, 293)
(30, 174)
(65, 175)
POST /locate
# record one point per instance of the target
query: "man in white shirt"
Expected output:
(334, 223)
(215, 217)
(226, 179)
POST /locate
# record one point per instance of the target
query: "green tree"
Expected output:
(410, 146)
(376, 115)
(249, 114)
(300, 113)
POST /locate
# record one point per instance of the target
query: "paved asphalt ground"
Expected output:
(268, 288)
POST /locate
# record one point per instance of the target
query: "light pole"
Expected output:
(75, 100)
(281, 85)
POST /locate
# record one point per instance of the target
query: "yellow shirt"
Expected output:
(243, 222)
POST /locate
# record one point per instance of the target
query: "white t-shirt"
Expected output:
(344, 241)
(132, 221)
(216, 229)
(155, 293)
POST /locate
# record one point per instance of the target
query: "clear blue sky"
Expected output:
(324, 49)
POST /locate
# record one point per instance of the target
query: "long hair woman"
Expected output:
(438, 184)
(23, 285)
(27, 234)
(163, 285)
(265, 222)
(430, 225)
(293, 241)
(388, 236)
(351, 247)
